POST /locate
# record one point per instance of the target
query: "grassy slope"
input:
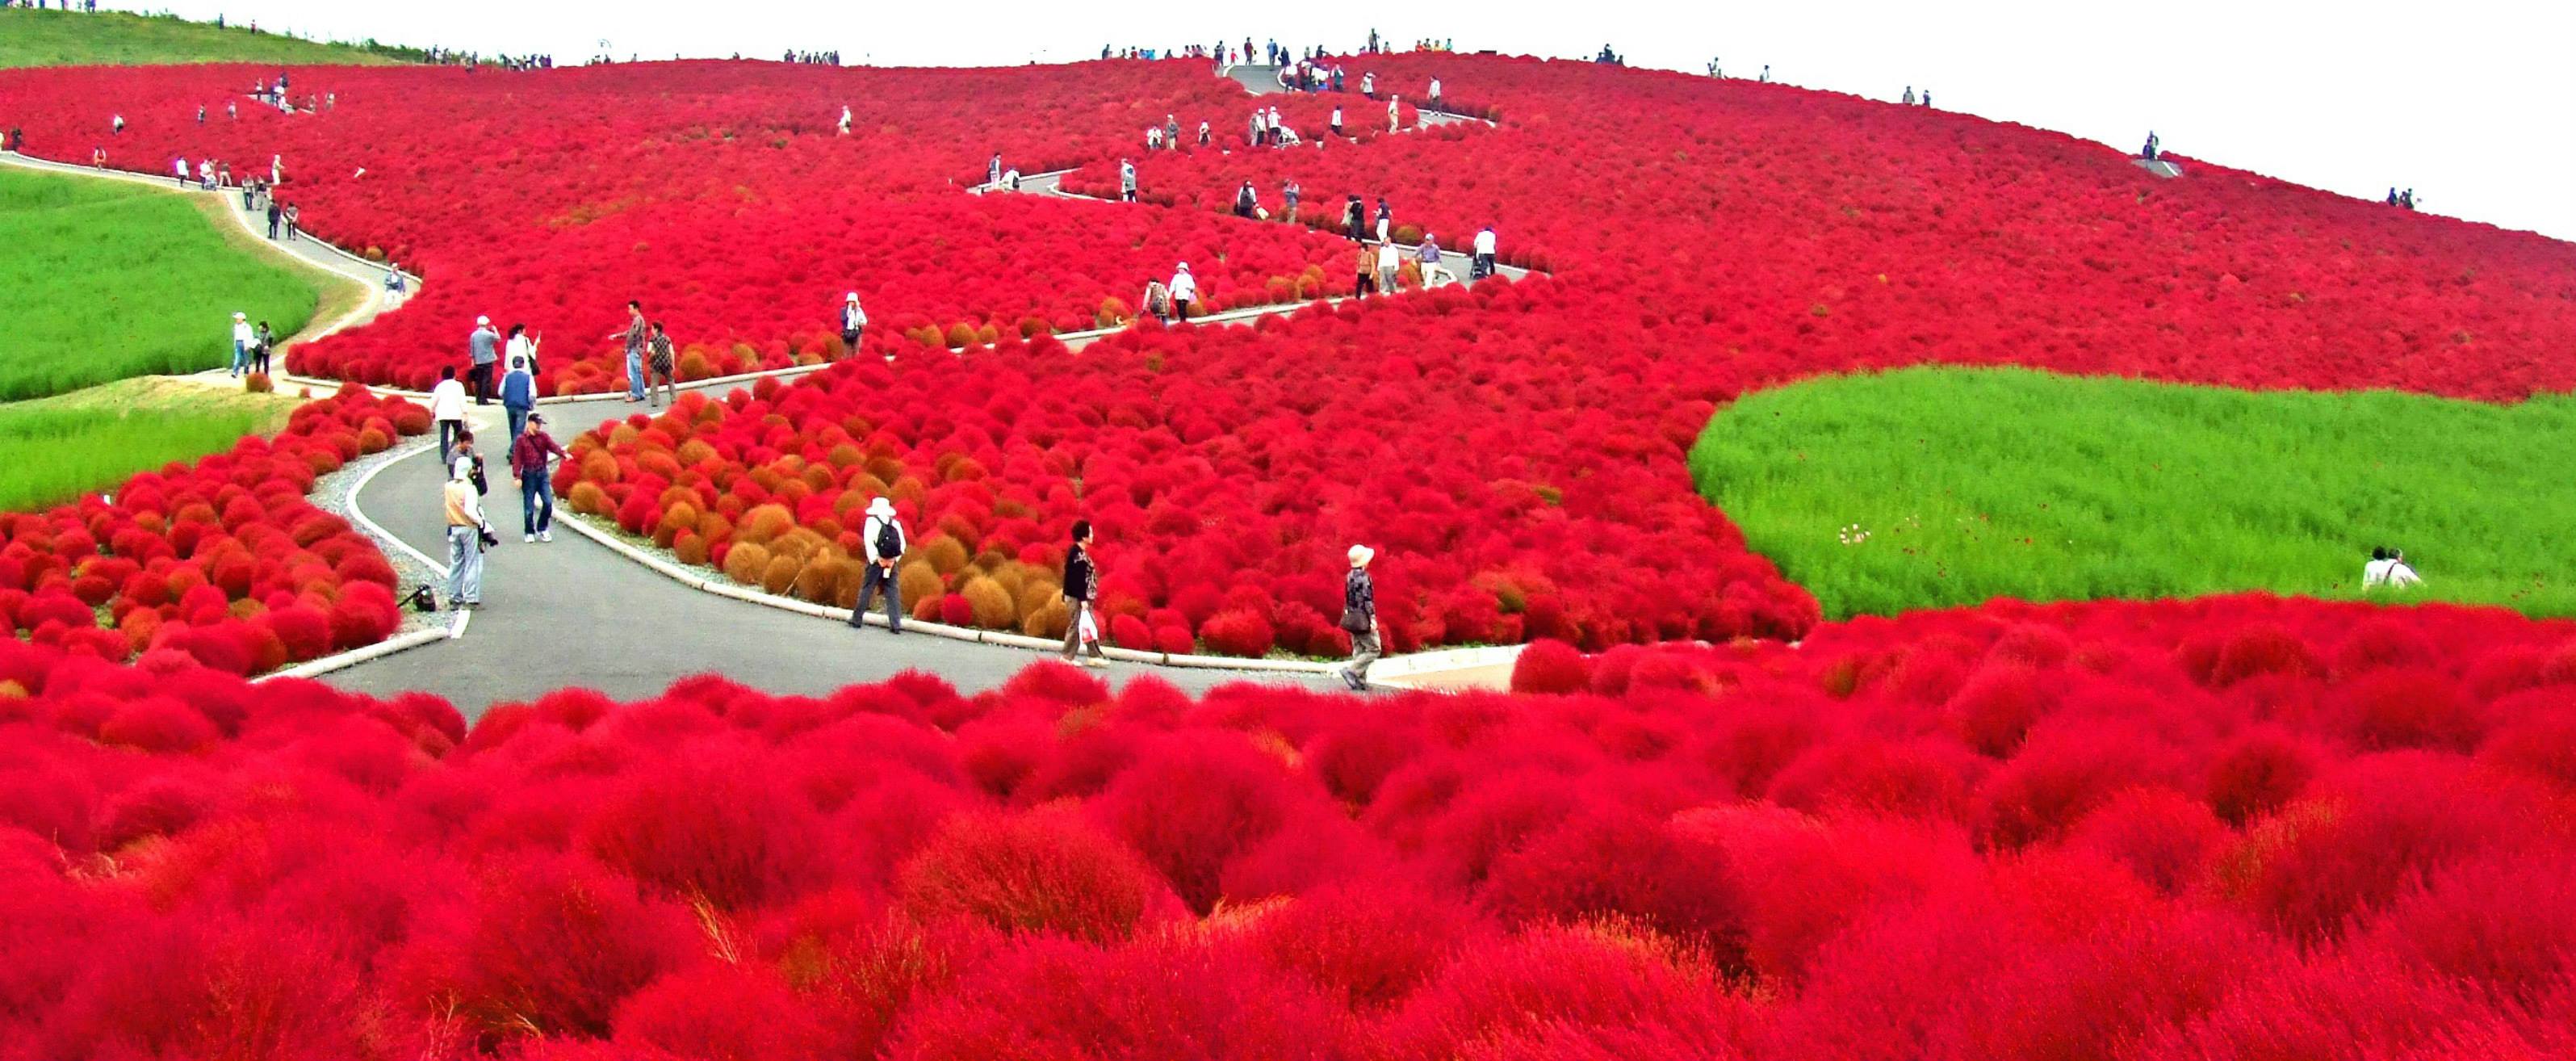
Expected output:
(62, 447)
(1974, 484)
(64, 38)
(100, 281)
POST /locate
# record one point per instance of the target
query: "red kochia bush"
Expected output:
(1038, 872)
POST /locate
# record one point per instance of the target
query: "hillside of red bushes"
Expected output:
(1516, 453)
(222, 562)
(2237, 828)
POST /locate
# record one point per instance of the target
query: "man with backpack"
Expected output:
(881, 538)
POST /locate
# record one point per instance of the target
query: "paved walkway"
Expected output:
(572, 612)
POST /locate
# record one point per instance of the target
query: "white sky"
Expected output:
(2471, 102)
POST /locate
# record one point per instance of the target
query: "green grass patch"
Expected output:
(113, 38)
(1943, 487)
(62, 447)
(101, 280)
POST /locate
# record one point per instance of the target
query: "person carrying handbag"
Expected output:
(1081, 587)
(1359, 619)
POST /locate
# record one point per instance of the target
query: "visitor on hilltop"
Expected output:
(1288, 192)
(1185, 289)
(262, 340)
(1716, 71)
(467, 530)
(1427, 260)
(519, 385)
(1908, 99)
(242, 338)
(1766, 73)
(1484, 263)
(1359, 619)
(483, 350)
(854, 320)
(634, 333)
(531, 454)
(2406, 199)
(447, 410)
(1338, 76)
(663, 368)
(1245, 202)
(881, 539)
(1927, 98)
(2150, 151)
(1126, 181)
(2388, 569)
(1081, 587)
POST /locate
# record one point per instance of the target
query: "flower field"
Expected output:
(2233, 828)
(1518, 453)
(221, 562)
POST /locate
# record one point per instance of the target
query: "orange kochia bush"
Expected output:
(222, 560)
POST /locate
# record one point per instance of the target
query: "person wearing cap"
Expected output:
(1185, 288)
(447, 409)
(483, 345)
(1359, 619)
(465, 530)
(881, 540)
(1081, 587)
(242, 338)
(853, 321)
(529, 456)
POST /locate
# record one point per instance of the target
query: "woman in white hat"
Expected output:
(853, 319)
(881, 538)
(242, 339)
(1359, 619)
(1185, 289)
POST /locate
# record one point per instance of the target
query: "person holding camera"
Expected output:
(467, 533)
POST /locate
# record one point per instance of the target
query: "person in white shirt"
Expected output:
(1435, 93)
(1337, 119)
(1484, 265)
(179, 169)
(465, 530)
(1390, 263)
(1394, 117)
(1127, 178)
(447, 408)
(2388, 569)
(1273, 125)
(845, 119)
(1185, 289)
(882, 540)
(242, 339)
(853, 321)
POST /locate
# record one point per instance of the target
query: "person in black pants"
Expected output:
(1081, 586)
(881, 538)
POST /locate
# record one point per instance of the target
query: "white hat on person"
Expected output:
(1361, 555)
(240, 316)
(853, 297)
(481, 321)
(881, 508)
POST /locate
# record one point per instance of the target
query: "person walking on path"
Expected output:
(519, 386)
(1126, 181)
(261, 342)
(1351, 219)
(179, 169)
(294, 219)
(1484, 265)
(1157, 300)
(1435, 94)
(635, 333)
(530, 454)
(447, 409)
(466, 530)
(1185, 289)
(853, 321)
(1367, 272)
(1081, 587)
(523, 348)
(242, 338)
(1390, 266)
(1359, 619)
(663, 367)
(483, 347)
(881, 538)
(1385, 221)
(276, 214)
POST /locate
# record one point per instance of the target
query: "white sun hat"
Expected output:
(881, 508)
(1361, 555)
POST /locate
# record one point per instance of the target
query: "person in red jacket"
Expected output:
(529, 464)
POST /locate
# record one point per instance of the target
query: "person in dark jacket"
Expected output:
(1081, 587)
(529, 455)
(518, 387)
(1359, 618)
(883, 542)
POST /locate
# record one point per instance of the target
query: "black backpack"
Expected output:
(889, 541)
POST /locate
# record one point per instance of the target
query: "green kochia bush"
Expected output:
(1934, 487)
